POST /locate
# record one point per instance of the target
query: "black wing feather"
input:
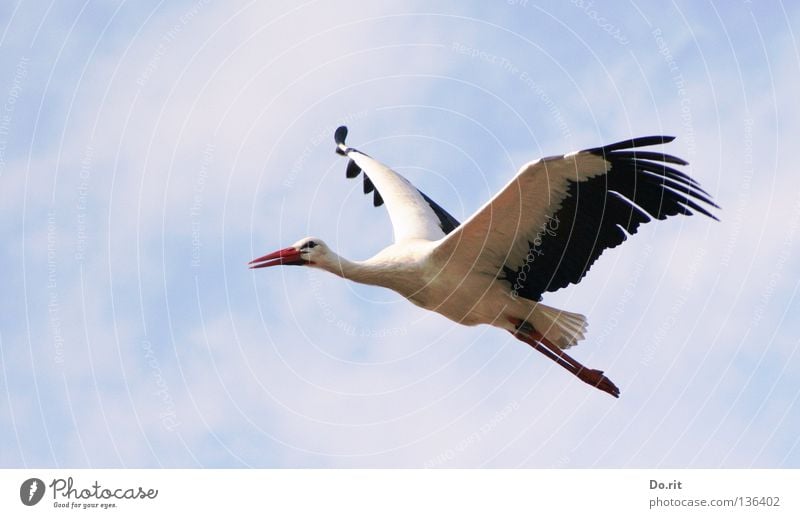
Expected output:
(368, 186)
(446, 221)
(600, 213)
(352, 169)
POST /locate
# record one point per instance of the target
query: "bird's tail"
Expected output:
(562, 328)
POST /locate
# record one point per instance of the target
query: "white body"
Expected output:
(454, 289)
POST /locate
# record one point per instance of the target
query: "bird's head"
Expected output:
(310, 251)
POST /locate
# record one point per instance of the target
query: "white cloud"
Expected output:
(223, 151)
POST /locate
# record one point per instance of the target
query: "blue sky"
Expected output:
(148, 150)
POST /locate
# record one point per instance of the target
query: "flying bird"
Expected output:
(540, 233)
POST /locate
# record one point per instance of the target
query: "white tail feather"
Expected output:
(562, 328)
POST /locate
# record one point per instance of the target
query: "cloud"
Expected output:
(169, 151)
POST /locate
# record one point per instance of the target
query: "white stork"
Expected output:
(540, 233)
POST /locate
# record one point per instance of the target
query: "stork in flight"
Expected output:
(541, 232)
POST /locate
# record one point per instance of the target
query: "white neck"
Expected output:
(380, 270)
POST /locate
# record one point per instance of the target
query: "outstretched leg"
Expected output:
(526, 333)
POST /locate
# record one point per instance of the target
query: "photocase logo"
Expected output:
(31, 491)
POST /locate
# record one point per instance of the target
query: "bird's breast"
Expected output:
(469, 300)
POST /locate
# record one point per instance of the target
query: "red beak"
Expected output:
(290, 256)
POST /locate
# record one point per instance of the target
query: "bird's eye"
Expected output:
(308, 244)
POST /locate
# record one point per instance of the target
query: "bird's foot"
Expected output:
(596, 379)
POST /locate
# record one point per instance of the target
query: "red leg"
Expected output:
(526, 333)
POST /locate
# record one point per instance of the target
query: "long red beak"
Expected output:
(289, 256)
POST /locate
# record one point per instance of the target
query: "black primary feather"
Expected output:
(600, 213)
(352, 169)
(339, 137)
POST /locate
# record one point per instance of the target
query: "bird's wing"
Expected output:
(413, 214)
(544, 229)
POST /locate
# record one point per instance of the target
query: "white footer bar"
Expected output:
(353, 493)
